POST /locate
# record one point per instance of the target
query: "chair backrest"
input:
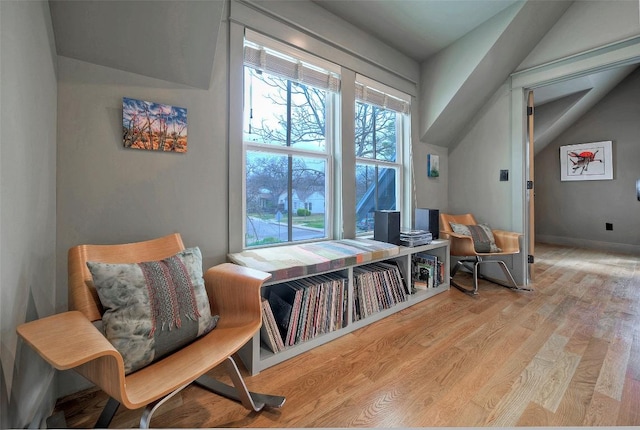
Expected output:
(445, 219)
(83, 296)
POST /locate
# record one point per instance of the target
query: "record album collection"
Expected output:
(299, 310)
(377, 286)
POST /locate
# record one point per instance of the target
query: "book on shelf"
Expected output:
(421, 276)
(413, 238)
(427, 271)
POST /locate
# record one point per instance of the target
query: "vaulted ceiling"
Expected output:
(466, 49)
(417, 28)
(170, 40)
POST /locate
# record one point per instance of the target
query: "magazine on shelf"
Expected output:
(426, 271)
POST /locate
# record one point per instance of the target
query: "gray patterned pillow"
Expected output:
(483, 240)
(153, 308)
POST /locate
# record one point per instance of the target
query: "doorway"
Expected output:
(522, 83)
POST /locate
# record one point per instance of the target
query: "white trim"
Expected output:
(612, 55)
(256, 17)
(606, 57)
(268, 42)
(624, 248)
(236, 166)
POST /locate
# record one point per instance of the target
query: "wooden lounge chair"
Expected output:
(70, 340)
(463, 246)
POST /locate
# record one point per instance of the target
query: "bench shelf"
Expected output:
(256, 356)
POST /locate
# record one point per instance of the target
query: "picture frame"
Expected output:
(153, 126)
(586, 161)
(433, 165)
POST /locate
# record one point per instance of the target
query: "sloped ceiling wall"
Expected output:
(417, 28)
(559, 105)
(458, 80)
(173, 40)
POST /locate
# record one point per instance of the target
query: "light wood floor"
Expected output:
(567, 354)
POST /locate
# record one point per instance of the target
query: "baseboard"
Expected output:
(623, 248)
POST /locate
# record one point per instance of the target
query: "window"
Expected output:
(379, 133)
(289, 110)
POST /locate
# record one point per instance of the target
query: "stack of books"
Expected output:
(415, 237)
(427, 271)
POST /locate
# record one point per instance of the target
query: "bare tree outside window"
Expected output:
(281, 186)
(288, 157)
(376, 149)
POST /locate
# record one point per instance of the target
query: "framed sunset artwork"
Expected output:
(154, 126)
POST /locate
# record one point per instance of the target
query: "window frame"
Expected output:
(332, 100)
(403, 135)
(247, 19)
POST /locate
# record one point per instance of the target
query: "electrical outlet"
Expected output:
(608, 226)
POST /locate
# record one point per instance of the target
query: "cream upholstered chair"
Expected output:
(464, 245)
(70, 340)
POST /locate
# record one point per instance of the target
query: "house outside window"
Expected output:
(289, 110)
(379, 133)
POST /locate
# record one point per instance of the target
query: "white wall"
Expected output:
(27, 204)
(443, 76)
(430, 192)
(475, 164)
(109, 194)
(575, 212)
(584, 26)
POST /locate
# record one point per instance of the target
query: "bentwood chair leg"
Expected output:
(475, 275)
(107, 413)
(151, 408)
(507, 273)
(473, 269)
(238, 392)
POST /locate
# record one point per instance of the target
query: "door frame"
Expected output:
(606, 57)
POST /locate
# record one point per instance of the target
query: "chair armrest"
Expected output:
(67, 340)
(508, 241)
(234, 292)
(459, 244)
